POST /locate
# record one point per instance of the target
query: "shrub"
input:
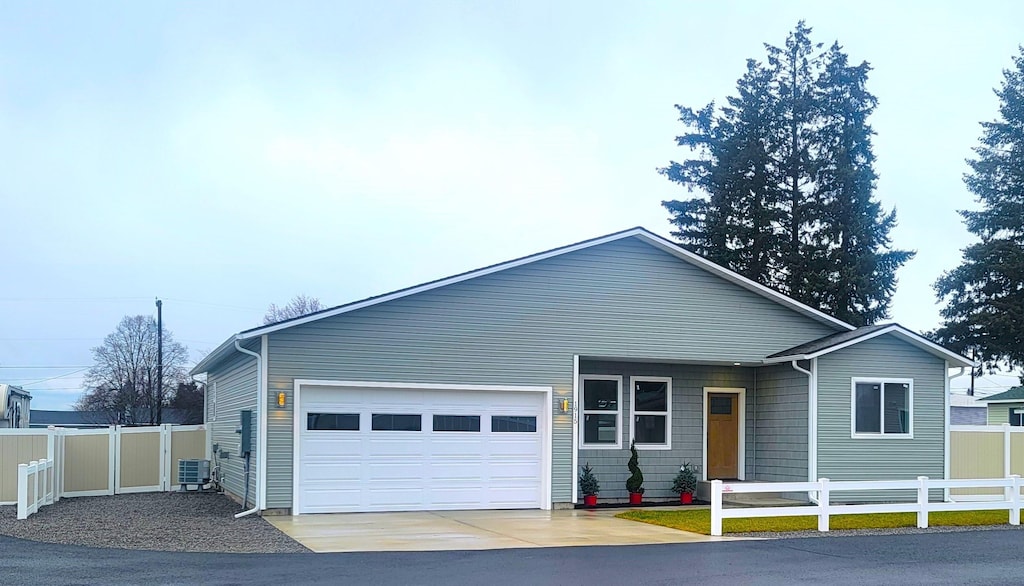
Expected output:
(635, 482)
(588, 482)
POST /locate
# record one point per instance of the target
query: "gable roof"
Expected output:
(1014, 395)
(831, 343)
(639, 233)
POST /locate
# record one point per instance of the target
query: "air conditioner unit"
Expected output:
(193, 472)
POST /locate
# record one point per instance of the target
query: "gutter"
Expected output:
(259, 423)
(812, 420)
(945, 434)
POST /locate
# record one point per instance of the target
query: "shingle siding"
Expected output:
(781, 424)
(235, 383)
(522, 326)
(841, 457)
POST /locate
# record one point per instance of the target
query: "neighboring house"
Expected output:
(92, 419)
(967, 410)
(1006, 407)
(14, 406)
(489, 389)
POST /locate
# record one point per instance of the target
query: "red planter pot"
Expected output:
(590, 500)
(686, 498)
(635, 498)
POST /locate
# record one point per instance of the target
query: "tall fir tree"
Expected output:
(785, 178)
(984, 296)
(856, 274)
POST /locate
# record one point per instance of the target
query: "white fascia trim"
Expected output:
(261, 454)
(906, 334)
(547, 425)
(214, 355)
(641, 233)
(619, 423)
(1002, 401)
(633, 412)
(741, 464)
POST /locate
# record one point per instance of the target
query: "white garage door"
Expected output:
(407, 450)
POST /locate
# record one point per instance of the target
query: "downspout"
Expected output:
(812, 399)
(945, 463)
(259, 421)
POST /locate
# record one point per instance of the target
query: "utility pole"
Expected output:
(159, 361)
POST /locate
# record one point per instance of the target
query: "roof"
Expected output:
(642, 234)
(1014, 395)
(831, 343)
(6, 389)
(965, 401)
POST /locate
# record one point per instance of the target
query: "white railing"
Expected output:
(37, 477)
(824, 509)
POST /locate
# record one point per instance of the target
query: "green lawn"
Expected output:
(699, 520)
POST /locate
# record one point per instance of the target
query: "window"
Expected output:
(332, 421)
(883, 407)
(513, 424)
(391, 422)
(456, 423)
(602, 411)
(652, 412)
(1016, 417)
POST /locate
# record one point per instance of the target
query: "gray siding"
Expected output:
(781, 419)
(235, 381)
(967, 416)
(522, 326)
(999, 413)
(660, 466)
(841, 457)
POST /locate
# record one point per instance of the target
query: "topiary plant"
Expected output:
(588, 482)
(686, 481)
(635, 482)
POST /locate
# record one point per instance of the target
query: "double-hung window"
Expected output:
(883, 407)
(651, 405)
(601, 420)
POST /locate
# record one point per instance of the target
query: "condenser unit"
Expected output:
(193, 472)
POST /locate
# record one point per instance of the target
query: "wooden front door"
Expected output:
(723, 436)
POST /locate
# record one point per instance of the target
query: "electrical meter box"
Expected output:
(245, 428)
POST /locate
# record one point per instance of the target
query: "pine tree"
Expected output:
(985, 295)
(785, 178)
(855, 276)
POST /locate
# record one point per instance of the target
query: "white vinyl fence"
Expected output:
(1010, 501)
(35, 487)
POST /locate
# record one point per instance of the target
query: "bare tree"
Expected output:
(121, 384)
(299, 306)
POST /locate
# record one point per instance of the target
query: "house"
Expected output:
(489, 389)
(43, 418)
(1006, 407)
(14, 406)
(966, 410)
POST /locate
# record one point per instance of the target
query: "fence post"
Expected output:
(22, 491)
(716, 508)
(823, 500)
(922, 502)
(1015, 500)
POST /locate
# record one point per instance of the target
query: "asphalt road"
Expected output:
(977, 557)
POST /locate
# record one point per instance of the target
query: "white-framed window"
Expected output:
(601, 421)
(650, 402)
(1016, 417)
(882, 407)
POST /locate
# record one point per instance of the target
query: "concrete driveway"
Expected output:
(461, 530)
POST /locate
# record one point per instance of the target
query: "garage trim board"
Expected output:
(544, 424)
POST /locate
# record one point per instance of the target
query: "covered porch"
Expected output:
(734, 420)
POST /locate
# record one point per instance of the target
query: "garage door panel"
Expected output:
(453, 468)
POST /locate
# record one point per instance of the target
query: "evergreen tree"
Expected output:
(985, 295)
(785, 177)
(855, 276)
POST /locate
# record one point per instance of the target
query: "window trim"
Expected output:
(584, 412)
(882, 381)
(633, 413)
(1015, 411)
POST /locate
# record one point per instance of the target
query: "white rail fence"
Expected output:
(35, 487)
(1011, 500)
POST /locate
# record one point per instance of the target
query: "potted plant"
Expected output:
(635, 482)
(685, 483)
(589, 486)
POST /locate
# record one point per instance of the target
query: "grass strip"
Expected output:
(699, 520)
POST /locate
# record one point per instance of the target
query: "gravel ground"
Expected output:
(854, 532)
(153, 521)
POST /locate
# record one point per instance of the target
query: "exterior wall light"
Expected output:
(280, 399)
(565, 405)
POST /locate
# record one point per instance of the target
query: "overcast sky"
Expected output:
(226, 155)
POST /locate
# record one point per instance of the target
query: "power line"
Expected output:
(55, 377)
(37, 367)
